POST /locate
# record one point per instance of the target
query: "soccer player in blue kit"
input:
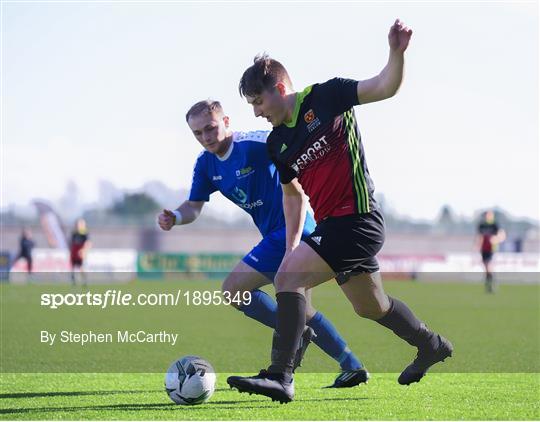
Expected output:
(236, 164)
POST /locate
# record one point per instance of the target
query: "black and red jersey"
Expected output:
(322, 147)
(78, 241)
(487, 231)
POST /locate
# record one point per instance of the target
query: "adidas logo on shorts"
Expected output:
(317, 239)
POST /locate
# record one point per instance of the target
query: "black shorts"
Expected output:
(487, 256)
(349, 243)
(76, 262)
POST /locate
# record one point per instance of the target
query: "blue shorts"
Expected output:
(267, 255)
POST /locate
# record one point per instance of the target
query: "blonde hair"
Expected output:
(205, 106)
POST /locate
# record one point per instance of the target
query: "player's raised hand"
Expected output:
(166, 220)
(399, 36)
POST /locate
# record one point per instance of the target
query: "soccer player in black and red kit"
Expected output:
(78, 247)
(489, 238)
(315, 145)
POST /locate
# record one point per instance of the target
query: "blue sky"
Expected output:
(94, 91)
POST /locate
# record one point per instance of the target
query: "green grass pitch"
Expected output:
(494, 374)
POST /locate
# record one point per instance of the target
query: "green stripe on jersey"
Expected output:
(299, 99)
(360, 186)
(355, 162)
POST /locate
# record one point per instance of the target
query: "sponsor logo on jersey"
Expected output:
(251, 205)
(317, 239)
(246, 171)
(239, 195)
(312, 121)
(316, 150)
(217, 178)
(283, 148)
(241, 199)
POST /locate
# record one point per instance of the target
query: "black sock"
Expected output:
(404, 324)
(291, 320)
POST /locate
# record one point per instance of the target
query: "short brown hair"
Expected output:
(205, 106)
(262, 75)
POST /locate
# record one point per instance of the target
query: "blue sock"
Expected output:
(262, 308)
(330, 341)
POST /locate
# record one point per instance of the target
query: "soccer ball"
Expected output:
(190, 380)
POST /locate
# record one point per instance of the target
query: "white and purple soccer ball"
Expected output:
(190, 380)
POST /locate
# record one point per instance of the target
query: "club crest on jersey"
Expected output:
(312, 121)
(309, 116)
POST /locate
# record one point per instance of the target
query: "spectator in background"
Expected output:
(488, 240)
(78, 248)
(26, 245)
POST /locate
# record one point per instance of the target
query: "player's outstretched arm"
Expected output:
(87, 245)
(294, 209)
(184, 214)
(500, 236)
(387, 83)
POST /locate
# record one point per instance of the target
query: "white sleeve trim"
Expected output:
(254, 136)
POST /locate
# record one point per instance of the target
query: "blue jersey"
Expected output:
(246, 176)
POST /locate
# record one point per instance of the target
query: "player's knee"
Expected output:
(230, 289)
(281, 281)
(227, 286)
(310, 312)
(231, 286)
(290, 281)
(287, 283)
(370, 312)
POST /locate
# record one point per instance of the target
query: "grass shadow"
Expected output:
(70, 393)
(218, 405)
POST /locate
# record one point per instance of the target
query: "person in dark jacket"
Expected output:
(26, 245)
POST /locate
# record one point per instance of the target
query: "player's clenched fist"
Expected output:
(399, 36)
(166, 220)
